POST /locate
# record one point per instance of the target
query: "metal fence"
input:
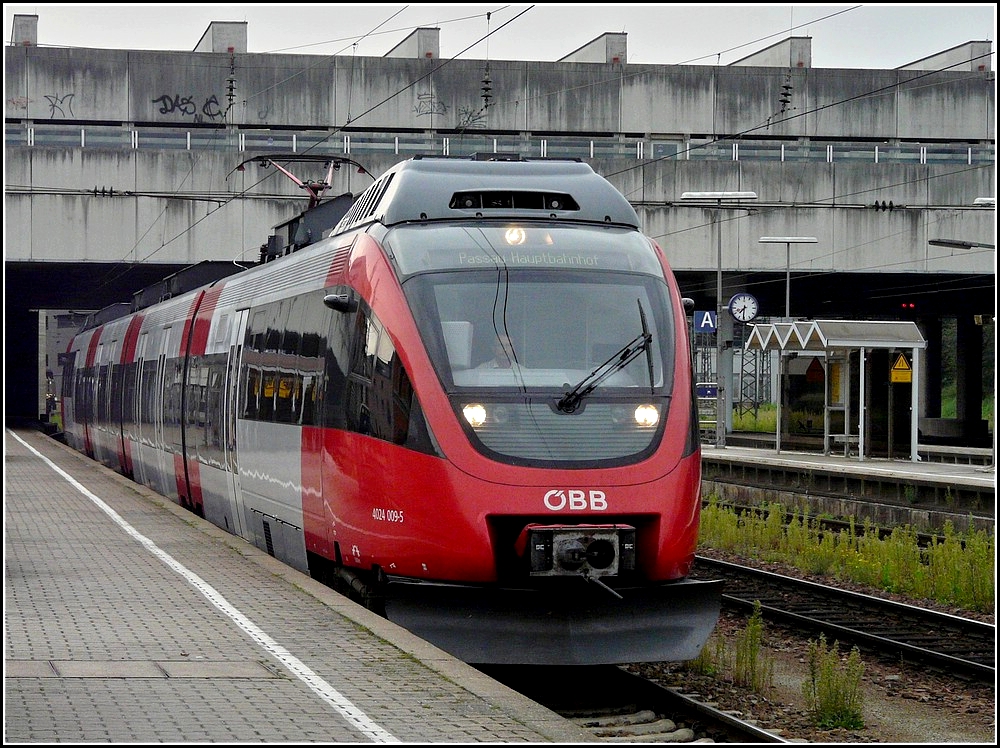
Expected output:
(241, 140)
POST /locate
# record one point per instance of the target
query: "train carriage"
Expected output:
(470, 406)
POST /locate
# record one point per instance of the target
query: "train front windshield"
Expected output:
(555, 344)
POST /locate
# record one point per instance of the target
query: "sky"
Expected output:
(879, 36)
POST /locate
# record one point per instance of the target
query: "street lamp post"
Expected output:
(720, 385)
(962, 244)
(788, 241)
(959, 243)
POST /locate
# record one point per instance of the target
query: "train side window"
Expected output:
(286, 397)
(78, 396)
(213, 402)
(256, 330)
(68, 361)
(291, 339)
(308, 409)
(312, 356)
(367, 345)
(378, 396)
(147, 392)
(130, 377)
(384, 354)
(312, 344)
(173, 386)
(103, 401)
(222, 330)
(196, 400)
(358, 386)
(117, 405)
(277, 318)
(265, 410)
(251, 393)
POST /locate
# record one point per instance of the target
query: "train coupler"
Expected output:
(591, 551)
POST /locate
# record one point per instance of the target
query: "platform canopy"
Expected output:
(826, 335)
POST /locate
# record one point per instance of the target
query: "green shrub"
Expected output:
(746, 665)
(832, 689)
(712, 658)
(955, 570)
(750, 668)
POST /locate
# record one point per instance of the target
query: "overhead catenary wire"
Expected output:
(330, 135)
(116, 275)
(351, 119)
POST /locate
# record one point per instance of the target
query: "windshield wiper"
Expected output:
(649, 348)
(569, 402)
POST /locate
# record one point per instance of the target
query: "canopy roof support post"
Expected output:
(862, 406)
(914, 405)
(781, 397)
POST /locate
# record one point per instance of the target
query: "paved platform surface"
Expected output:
(945, 473)
(128, 619)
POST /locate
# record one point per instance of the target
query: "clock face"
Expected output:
(743, 307)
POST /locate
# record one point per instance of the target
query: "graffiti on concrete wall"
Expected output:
(465, 117)
(60, 106)
(427, 104)
(20, 102)
(210, 110)
(471, 119)
(187, 106)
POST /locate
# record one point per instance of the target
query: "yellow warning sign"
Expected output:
(901, 371)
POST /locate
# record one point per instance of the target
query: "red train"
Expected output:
(469, 406)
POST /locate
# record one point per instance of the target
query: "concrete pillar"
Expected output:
(25, 31)
(224, 36)
(969, 372)
(930, 386)
(21, 390)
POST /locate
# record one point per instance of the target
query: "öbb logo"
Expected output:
(575, 500)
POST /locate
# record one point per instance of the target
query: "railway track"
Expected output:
(618, 706)
(902, 632)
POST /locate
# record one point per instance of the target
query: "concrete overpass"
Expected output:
(120, 165)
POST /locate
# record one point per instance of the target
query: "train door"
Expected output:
(231, 407)
(162, 466)
(109, 396)
(129, 374)
(91, 434)
(106, 446)
(98, 399)
(118, 414)
(141, 415)
(67, 398)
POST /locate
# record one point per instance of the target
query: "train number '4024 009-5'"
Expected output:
(387, 515)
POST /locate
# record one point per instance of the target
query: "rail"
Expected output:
(889, 628)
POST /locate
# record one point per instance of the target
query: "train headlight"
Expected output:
(647, 416)
(514, 236)
(475, 414)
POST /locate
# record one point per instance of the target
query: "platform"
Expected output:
(925, 495)
(128, 619)
(971, 474)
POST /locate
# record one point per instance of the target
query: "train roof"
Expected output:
(191, 278)
(452, 188)
(432, 188)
